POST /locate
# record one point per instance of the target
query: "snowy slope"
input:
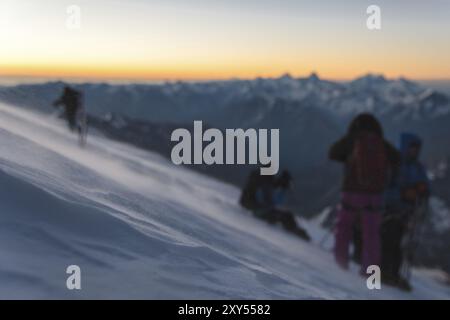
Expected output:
(140, 227)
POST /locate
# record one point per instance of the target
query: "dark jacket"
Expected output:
(257, 192)
(71, 100)
(342, 150)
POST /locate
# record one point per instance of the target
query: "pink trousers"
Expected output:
(365, 209)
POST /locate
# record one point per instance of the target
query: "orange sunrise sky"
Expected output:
(199, 39)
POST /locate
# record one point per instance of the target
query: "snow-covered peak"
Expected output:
(286, 77)
(369, 80)
(313, 77)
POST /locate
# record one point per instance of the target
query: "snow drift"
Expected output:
(140, 227)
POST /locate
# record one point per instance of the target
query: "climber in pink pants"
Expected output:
(366, 209)
(369, 161)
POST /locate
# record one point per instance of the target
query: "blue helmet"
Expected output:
(407, 140)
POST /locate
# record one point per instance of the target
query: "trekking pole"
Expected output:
(406, 265)
(413, 238)
(325, 237)
(417, 235)
(331, 215)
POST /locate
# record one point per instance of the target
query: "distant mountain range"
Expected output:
(310, 112)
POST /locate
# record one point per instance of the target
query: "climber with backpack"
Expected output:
(368, 161)
(406, 204)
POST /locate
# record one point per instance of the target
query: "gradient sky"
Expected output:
(216, 39)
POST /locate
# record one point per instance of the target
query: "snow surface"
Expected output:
(140, 227)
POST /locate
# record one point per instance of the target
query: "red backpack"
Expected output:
(368, 163)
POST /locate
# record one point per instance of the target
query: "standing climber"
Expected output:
(368, 161)
(406, 201)
(72, 101)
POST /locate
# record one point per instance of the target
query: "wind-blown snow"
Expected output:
(140, 227)
(441, 216)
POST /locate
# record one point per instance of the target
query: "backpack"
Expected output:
(369, 163)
